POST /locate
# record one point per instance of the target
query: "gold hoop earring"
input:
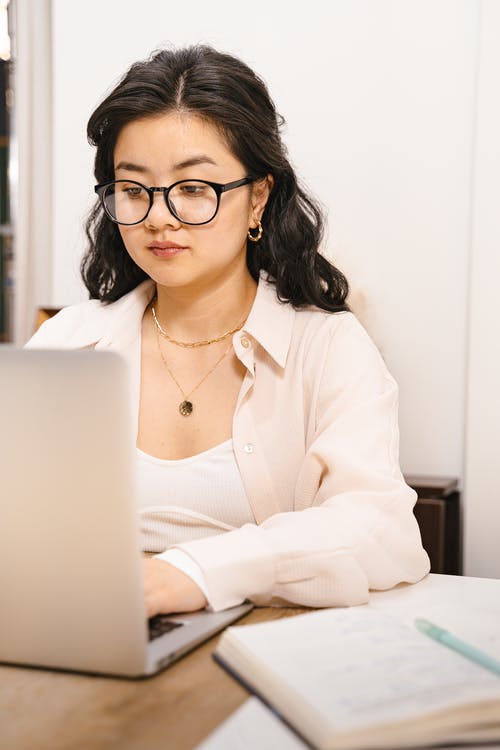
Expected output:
(256, 237)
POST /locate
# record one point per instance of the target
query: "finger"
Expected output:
(152, 608)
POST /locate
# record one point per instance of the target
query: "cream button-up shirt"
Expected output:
(315, 437)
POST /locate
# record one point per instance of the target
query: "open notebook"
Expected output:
(358, 678)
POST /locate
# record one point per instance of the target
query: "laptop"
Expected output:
(71, 591)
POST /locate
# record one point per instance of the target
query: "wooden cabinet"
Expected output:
(438, 514)
(43, 314)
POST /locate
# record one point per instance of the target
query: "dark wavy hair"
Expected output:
(226, 92)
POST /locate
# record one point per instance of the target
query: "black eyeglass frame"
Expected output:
(218, 188)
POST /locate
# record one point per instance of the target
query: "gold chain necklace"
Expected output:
(186, 406)
(192, 344)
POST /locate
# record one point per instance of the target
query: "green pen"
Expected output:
(461, 647)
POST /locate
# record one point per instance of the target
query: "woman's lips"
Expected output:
(165, 249)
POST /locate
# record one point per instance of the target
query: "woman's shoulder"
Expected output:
(337, 345)
(60, 329)
(85, 323)
(325, 326)
(308, 335)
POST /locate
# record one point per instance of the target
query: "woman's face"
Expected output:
(160, 150)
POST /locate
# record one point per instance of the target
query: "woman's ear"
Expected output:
(261, 189)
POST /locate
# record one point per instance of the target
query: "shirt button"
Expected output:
(245, 343)
(248, 447)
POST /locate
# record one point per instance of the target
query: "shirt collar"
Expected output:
(270, 321)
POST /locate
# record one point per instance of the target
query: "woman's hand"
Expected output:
(167, 589)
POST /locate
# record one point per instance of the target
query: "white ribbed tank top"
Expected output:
(190, 498)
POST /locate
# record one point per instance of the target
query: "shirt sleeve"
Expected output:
(354, 529)
(186, 565)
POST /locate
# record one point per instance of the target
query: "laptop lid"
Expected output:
(71, 588)
(70, 574)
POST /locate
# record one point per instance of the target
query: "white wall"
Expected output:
(482, 475)
(380, 102)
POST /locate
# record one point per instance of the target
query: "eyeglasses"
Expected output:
(190, 201)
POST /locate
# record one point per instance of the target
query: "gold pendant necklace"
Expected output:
(186, 406)
(191, 344)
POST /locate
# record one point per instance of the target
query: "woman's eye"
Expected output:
(193, 189)
(133, 192)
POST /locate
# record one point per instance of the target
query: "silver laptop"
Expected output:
(71, 592)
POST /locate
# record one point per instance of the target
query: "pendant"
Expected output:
(186, 408)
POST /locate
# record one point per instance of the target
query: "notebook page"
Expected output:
(252, 726)
(359, 667)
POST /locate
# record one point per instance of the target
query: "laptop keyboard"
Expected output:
(160, 624)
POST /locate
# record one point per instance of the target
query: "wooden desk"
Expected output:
(178, 708)
(174, 710)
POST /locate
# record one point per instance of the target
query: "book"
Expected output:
(359, 679)
(253, 726)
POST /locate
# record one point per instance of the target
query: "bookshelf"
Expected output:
(6, 234)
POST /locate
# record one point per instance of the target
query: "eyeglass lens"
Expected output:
(191, 201)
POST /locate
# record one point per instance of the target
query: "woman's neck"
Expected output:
(193, 314)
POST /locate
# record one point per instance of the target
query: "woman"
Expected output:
(267, 441)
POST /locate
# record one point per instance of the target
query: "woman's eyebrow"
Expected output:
(192, 161)
(129, 167)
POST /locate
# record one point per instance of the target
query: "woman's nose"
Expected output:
(160, 214)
